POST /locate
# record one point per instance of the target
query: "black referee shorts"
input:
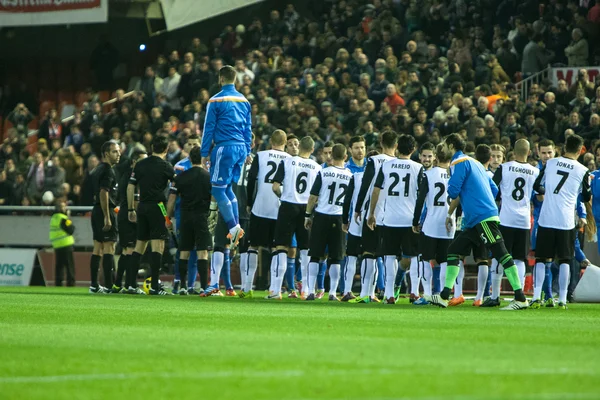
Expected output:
(193, 232)
(327, 237)
(127, 229)
(151, 223)
(98, 225)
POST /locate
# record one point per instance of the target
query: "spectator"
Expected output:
(150, 85)
(535, 57)
(577, 52)
(36, 179)
(377, 91)
(6, 190)
(393, 99)
(170, 85)
(20, 117)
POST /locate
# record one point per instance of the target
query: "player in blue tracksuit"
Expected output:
(476, 191)
(596, 200)
(228, 131)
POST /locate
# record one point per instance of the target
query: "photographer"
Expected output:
(20, 117)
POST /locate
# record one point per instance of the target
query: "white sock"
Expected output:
(414, 276)
(563, 282)
(521, 271)
(251, 271)
(349, 274)
(443, 268)
(215, 268)
(427, 278)
(243, 269)
(458, 286)
(311, 279)
(373, 283)
(391, 268)
(539, 274)
(273, 271)
(497, 274)
(280, 268)
(370, 271)
(304, 259)
(364, 282)
(334, 278)
(482, 277)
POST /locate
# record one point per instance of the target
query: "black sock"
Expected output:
(155, 260)
(94, 267)
(445, 293)
(134, 268)
(108, 264)
(183, 267)
(121, 268)
(203, 272)
(519, 296)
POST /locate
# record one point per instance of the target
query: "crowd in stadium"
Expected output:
(356, 67)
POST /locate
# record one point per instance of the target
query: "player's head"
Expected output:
(137, 155)
(338, 152)
(389, 140)
(521, 149)
(293, 145)
(227, 75)
(483, 153)
(573, 144)
(546, 150)
(192, 140)
(454, 142)
(426, 154)
(357, 147)
(307, 145)
(111, 153)
(406, 145)
(278, 138)
(442, 155)
(159, 145)
(498, 152)
(327, 149)
(196, 155)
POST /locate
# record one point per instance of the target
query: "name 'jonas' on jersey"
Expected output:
(564, 165)
(336, 175)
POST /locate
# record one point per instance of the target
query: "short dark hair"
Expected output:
(441, 155)
(137, 153)
(338, 152)
(228, 73)
(546, 143)
(483, 153)
(329, 143)
(106, 147)
(307, 143)
(427, 146)
(389, 139)
(159, 144)
(573, 144)
(196, 155)
(406, 144)
(291, 136)
(356, 139)
(193, 137)
(456, 140)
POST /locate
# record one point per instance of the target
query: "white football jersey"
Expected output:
(437, 204)
(331, 185)
(516, 188)
(562, 179)
(353, 227)
(266, 203)
(297, 175)
(377, 161)
(399, 183)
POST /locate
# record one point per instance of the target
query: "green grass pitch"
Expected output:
(65, 344)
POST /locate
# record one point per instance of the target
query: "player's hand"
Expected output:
(371, 222)
(205, 163)
(345, 228)
(357, 217)
(416, 229)
(584, 263)
(132, 216)
(582, 222)
(308, 223)
(213, 217)
(449, 224)
(249, 159)
(107, 224)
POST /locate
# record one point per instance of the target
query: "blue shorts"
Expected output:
(226, 164)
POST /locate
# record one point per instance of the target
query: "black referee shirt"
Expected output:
(103, 177)
(193, 187)
(152, 175)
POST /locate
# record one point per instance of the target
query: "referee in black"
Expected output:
(193, 187)
(152, 175)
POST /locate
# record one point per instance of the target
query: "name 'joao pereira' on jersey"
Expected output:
(331, 186)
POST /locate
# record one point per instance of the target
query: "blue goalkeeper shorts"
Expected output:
(226, 163)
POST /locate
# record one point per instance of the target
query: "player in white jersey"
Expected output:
(263, 205)
(396, 188)
(297, 175)
(370, 239)
(326, 234)
(515, 181)
(561, 182)
(435, 238)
